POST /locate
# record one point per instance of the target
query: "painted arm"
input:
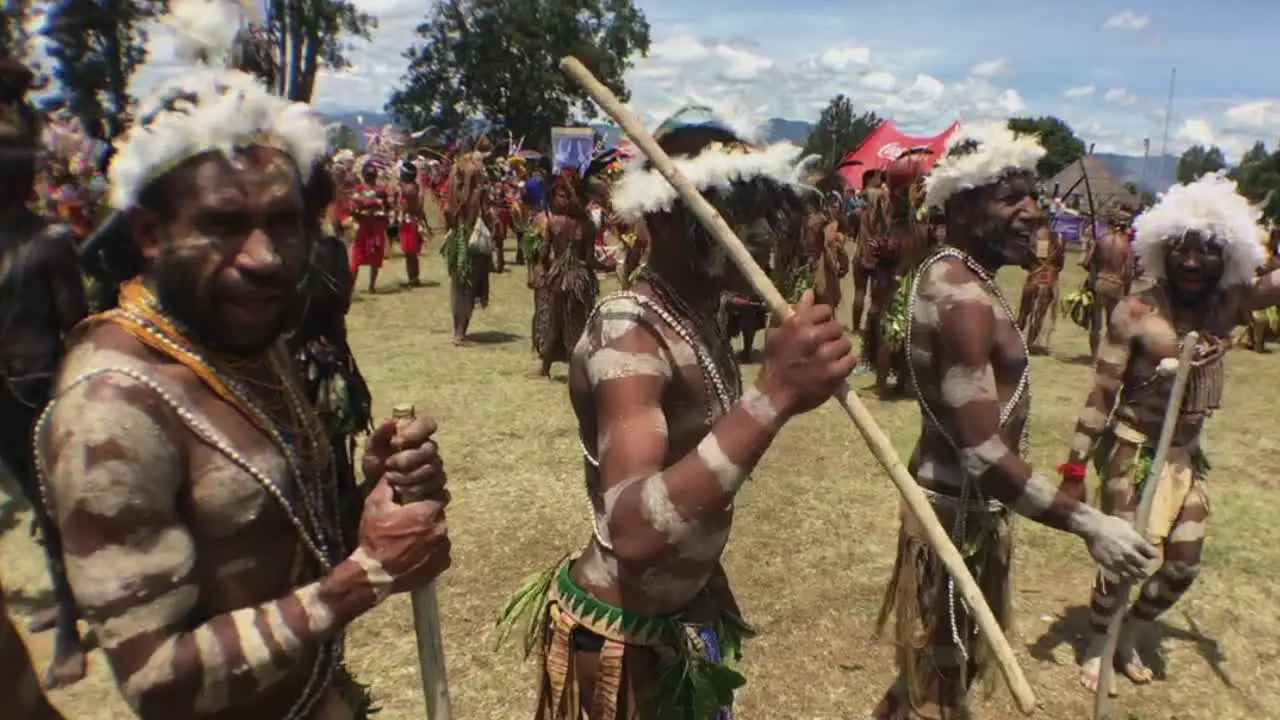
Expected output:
(652, 506)
(117, 468)
(1264, 291)
(969, 402)
(1134, 326)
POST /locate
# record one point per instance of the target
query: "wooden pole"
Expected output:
(872, 434)
(1142, 521)
(426, 625)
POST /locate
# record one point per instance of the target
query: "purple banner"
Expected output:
(1070, 227)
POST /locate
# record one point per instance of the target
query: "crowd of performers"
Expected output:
(188, 447)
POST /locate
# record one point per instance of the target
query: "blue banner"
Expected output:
(572, 148)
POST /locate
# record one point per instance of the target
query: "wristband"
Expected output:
(1073, 471)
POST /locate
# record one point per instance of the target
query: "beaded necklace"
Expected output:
(1022, 391)
(302, 445)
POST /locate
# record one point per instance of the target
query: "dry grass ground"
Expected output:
(811, 551)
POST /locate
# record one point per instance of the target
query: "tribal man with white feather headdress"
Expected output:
(1200, 243)
(642, 623)
(191, 480)
(969, 365)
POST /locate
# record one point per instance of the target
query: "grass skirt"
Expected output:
(561, 305)
(646, 667)
(934, 676)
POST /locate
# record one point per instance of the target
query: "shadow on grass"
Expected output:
(1072, 628)
(1078, 359)
(491, 337)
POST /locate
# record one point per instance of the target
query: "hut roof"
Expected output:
(1107, 191)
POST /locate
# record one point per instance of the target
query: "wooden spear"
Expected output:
(426, 625)
(872, 434)
(1142, 522)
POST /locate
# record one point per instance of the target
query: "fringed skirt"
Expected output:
(471, 288)
(561, 306)
(935, 674)
(600, 662)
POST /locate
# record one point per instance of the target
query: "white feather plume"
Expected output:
(204, 30)
(210, 110)
(999, 152)
(1212, 206)
(640, 191)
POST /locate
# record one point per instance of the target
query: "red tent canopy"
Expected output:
(884, 145)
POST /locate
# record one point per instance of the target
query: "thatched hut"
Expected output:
(1107, 191)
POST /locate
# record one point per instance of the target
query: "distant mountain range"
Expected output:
(1125, 168)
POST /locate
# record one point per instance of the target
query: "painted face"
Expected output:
(229, 263)
(1007, 219)
(1194, 265)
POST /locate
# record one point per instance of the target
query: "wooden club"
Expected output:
(426, 625)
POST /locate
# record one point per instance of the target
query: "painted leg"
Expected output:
(1119, 499)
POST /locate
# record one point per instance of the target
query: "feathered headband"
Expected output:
(640, 191)
(979, 155)
(208, 109)
(1213, 207)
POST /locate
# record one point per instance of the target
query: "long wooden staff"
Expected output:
(426, 625)
(1142, 522)
(874, 436)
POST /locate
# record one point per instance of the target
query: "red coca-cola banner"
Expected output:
(884, 145)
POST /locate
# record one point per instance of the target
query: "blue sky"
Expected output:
(1102, 65)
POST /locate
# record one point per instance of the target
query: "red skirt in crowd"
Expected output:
(371, 242)
(410, 238)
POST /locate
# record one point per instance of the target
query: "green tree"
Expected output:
(1198, 161)
(499, 60)
(96, 45)
(1258, 176)
(308, 35)
(1062, 146)
(839, 131)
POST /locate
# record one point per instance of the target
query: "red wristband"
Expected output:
(1073, 471)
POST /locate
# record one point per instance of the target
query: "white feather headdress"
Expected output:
(999, 152)
(208, 109)
(640, 191)
(1211, 206)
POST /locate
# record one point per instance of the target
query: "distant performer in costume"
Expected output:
(563, 273)
(41, 299)
(873, 226)
(642, 624)
(468, 249)
(1040, 288)
(369, 207)
(971, 372)
(1200, 245)
(331, 379)
(1110, 263)
(411, 216)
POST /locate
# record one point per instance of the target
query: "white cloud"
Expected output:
(1128, 21)
(852, 58)
(879, 80)
(1198, 131)
(1080, 91)
(1119, 96)
(992, 68)
(1254, 115)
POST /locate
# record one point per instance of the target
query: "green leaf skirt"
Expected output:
(697, 681)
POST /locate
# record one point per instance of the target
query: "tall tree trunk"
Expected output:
(310, 62)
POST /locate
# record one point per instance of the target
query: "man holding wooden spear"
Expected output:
(642, 622)
(969, 364)
(1200, 244)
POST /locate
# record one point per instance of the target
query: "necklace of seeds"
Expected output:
(1020, 392)
(315, 537)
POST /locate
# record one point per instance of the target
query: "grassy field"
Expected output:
(809, 556)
